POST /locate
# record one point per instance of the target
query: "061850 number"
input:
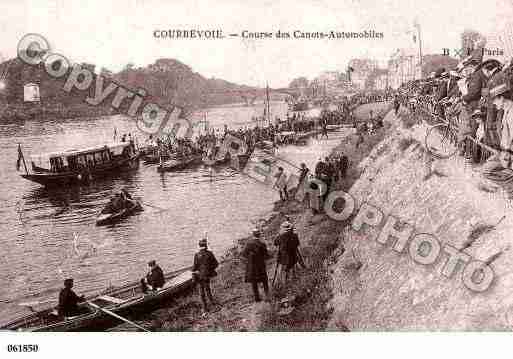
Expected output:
(22, 348)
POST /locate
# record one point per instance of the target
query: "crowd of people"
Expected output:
(477, 97)
(277, 133)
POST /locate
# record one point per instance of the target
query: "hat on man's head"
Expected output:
(439, 72)
(202, 242)
(152, 262)
(491, 64)
(286, 225)
(477, 113)
(256, 232)
(68, 281)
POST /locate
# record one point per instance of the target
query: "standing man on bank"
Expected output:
(288, 247)
(203, 269)
(256, 255)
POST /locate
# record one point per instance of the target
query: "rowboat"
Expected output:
(124, 301)
(151, 158)
(176, 164)
(110, 218)
(215, 161)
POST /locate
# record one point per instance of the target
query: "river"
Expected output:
(49, 235)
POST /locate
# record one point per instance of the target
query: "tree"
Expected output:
(128, 67)
(299, 82)
(431, 63)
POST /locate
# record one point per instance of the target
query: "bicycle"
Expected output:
(441, 139)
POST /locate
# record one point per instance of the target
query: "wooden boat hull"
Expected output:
(153, 158)
(176, 165)
(49, 179)
(175, 286)
(216, 161)
(105, 219)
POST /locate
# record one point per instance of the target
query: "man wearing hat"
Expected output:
(452, 84)
(499, 166)
(154, 279)
(68, 300)
(256, 255)
(204, 268)
(441, 91)
(477, 83)
(288, 245)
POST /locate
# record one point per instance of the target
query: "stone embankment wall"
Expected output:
(390, 290)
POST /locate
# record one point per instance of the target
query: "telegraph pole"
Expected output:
(417, 25)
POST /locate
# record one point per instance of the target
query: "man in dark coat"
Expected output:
(204, 268)
(256, 254)
(319, 168)
(344, 164)
(396, 105)
(477, 82)
(154, 279)
(327, 176)
(68, 300)
(288, 247)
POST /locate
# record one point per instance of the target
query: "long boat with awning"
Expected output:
(80, 165)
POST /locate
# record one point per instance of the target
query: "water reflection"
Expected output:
(50, 234)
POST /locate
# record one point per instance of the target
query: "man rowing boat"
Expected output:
(68, 300)
(120, 201)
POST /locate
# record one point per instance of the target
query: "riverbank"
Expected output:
(41, 112)
(459, 276)
(302, 304)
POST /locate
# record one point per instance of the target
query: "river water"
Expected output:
(49, 235)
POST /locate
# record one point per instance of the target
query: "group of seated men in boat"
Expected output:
(121, 200)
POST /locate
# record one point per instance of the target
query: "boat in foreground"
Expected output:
(124, 301)
(110, 218)
(82, 166)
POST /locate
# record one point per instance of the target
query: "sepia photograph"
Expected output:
(308, 171)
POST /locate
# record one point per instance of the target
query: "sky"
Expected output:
(112, 34)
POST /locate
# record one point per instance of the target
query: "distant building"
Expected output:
(403, 66)
(362, 68)
(381, 82)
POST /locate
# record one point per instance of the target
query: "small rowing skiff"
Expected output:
(123, 301)
(176, 164)
(110, 218)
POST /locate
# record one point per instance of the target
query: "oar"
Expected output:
(117, 316)
(153, 206)
(32, 304)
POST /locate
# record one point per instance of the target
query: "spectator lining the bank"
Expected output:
(256, 255)
(204, 269)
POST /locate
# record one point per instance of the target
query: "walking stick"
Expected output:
(301, 260)
(275, 272)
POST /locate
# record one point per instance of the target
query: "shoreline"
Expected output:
(302, 304)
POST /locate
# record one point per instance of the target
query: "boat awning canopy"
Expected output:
(116, 148)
